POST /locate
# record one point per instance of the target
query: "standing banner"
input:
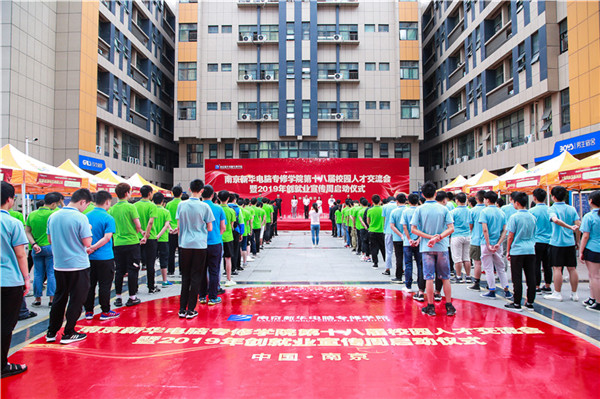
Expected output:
(312, 177)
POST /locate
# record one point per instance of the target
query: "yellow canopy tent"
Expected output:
(581, 175)
(455, 185)
(542, 175)
(96, 183)
(113, 178)
(480, 178)
(138, 181)
(497, 183)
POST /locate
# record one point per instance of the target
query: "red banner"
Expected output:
(6, 175)
(312, 177)
(47, 180)
(591, 173)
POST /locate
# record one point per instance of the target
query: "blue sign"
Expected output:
(89, 163)
(575, 145)
(240, 317)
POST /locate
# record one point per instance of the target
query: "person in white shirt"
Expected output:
(320, 204)
(306, 203)
(315, 224)
(331, 201)
(294, 206)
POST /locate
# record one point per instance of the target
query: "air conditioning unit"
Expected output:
(337, 76)
(98, 149)
(337, 38)
(246, 117)
(290, 116)
(339, 117)
(458, 160)
(529, 139)
(260, 38)
(498, 148)
(247, 77)
(246, 38)
(436, 167)
(506, 146)
(465, 158)
(269, 76)
(267, 117)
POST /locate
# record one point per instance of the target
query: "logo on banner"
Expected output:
(240, 317)
(89, 163)
(228, 167)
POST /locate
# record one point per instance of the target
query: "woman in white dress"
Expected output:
(320, 204)
(294, 206)
(315, 224)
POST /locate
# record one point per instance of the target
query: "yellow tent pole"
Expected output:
(548, 191)
(24, 201)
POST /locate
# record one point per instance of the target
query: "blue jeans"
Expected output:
(348, 235)
(409, 254)
(314, 232)
(43, 268)
(340, 231)
(436, 263)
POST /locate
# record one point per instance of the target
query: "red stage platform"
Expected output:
(311, 342)
(300, 224)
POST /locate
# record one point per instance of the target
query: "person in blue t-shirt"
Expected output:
(102, 259)
(476, 236)
(433, 223)
(521, 252)
(563, 243)
(590, 250)
(390, 248)
(214, 249)
(70, 235)
(410, 247)
(14, 275)
(543, 231)
(460, 242)
(493, 223)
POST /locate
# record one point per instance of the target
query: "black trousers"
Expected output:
(127, 260)
(149, 250)
(163, 254)
(267, 233)
(213, 260)
(236, 256)
(12, 297)
(173, 245)
(102, 273)
(541, 260)
(377, 241)
(256, 233)
(333, 228)
(366, 242)
(399, 252)
(360, 240)
(518, 265)
(306, 209)
(274, 229)
(251, 242)
(71, 287)
(192, 265)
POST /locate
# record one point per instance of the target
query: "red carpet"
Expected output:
(311, 342)
(300, 224)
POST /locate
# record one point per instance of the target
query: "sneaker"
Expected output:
(406, 289)
(450, 309)
(111, 314)
(594, 308)
(513, 306)
(153, 290)
(166, 283)
(546, 289)
(429, 310)
(397, 280)
(202, 300)
(437, 297)
(529, 306)
(36, 303)
(474, 287)
(234, 273)
(132, 302)
(89, 315)
(69, 339)
(489, 295)
(50, 338)
(212, 302)
(419, 297)
(555, 296)
(455, 280)
(538, 290)
(386, 272)
(27, 316)
(375, 266)
(508, 294)
(182, 314)
(220, 291)
(574, 297)
(191, 314)
(118, 302)
(229, 283)
(588, 302)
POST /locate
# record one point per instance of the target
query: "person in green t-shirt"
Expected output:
(248, 216)
(43, 261)
(17, 215)
(268, 220)
(147, 212)
(376, 236)
(227, 235)
(90, 208)
(161, 228)
(257, 224)
(173, 232)
(126, 242)
(338, 221)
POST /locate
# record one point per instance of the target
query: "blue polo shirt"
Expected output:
(241, 227)
(591, 224)
(450, 205)
(386, 212)
(508, 210)
(543, 225)
(432, 218)
(495, 220)
(193, 215)
(561, 236)
(406, 217)
(101, 223)
(461, 218)
(476, 233)
(522, 225)
(214, 236)
(395, 217)
(66, 229)
(12, 235)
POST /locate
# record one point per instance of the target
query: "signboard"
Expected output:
(342, 178)
(523, 182)
(6, 175)
(575, 145)
(578, 175)
(581, 202)
(47, 180)
(89, 163)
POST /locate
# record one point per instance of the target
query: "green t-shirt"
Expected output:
(162, 216)
(346, 215)
(172, 208)
(17, 215)
(124, 214)
(230, 215)
(90, 208)
(146, 209)
(247, 218)
(268, 209)
(338, 216)
(358, 212)
(375, 217)
(258, 216)
(38, 222)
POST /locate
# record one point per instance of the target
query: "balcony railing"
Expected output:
(255, 38)
(138, 119)
(342, 116)
(167, 63)
(458, 118)
(166, 98)
(263, 77)
(456, 75)
(265, 117)
(499, 94)
(170, 30)
(456, 32)
(351, 3)
(102, 100)
(139, 33)
(139, 76)
(342, 76)
(242, 3)
(103, 48)
(498, 39)
(340, 38)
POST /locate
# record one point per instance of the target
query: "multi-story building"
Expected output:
(297, 79)
(91, 80)
(508, 82)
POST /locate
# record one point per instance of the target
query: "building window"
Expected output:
(565, 111)
(213, 67)
(408, 30)
(497, 22)
(384, 105)
(499, 75)
(521, 57)
(535, 48)
(225, 67)
(228, 151)
(402, 150)
(293, 149)
(384, 28)
(409, 109)
(226, 29)
(370, 66)
(383, 150)
(511, 129)
(213, 28)
(348, 150)
(477, 37)
(212, 106)
(409, 70)
(249, 151)
(547, 118)
(371, 105)
(188, 32)
(368, 150)
(369, 28)
(384, 66)
(195, 155)
(564, 35)
(290, 109)
(225, 106)
(186, 110)
(213, 151)
(130, 148)
(187, 70)
(466, 146)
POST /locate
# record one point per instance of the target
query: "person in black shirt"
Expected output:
(278, 201)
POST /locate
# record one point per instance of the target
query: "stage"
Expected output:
(311, 342)
(287, 223)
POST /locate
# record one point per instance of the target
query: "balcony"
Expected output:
(246, 3)
(456, 32)
(264, 77)
(165, 134)
(255, 38)
(347, 3)
(139, 33)
(138, 119)
(458, 118)
(103, 48)
(264, 118)
(167, 63)
(338, 77)
(351, 39)
(499, 38)
(499, 94)
(456, 75)
(102, 100)
(166, 98)
(139, 76)
(170, 30)
(342, 116)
